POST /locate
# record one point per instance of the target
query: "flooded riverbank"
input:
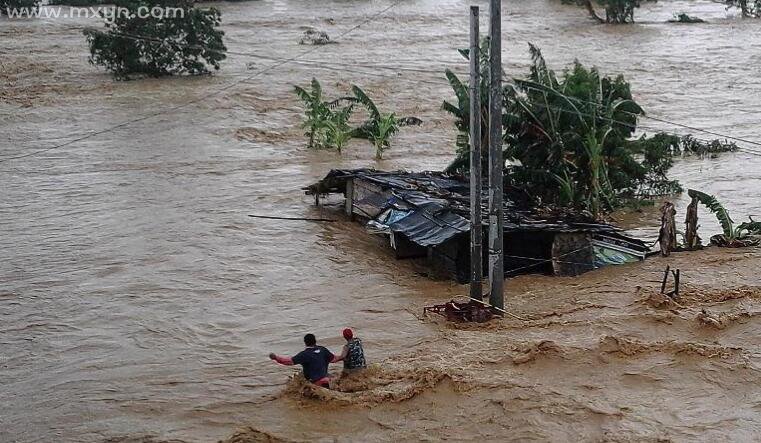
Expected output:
(601, 357)
(136, 296)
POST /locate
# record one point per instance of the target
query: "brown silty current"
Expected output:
(138, 301)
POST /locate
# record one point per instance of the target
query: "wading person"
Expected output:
(314, 360)
(352, 355)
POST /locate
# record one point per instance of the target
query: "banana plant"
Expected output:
(381, 126)
(732, 236)
(385, 128)
(338, 132)
(460, 109)
(316, 111)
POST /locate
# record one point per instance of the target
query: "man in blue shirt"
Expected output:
(314, 360)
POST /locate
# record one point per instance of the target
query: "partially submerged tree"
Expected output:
(182, 39)
(683, 17)
(749, 8)
(615, 11)
(461, 110)
(23, 8)
(569, 136)
(568, 139)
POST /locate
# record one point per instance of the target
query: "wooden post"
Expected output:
(476, 229)
(349, 205)
(691, 237)
(496, 163)
(665, 279)
(667, 237)
(677, 277)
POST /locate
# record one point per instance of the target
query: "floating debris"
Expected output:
(313, 36)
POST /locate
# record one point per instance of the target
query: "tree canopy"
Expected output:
(31, 5)
(569, 141)
(185, 41)
(616, 11)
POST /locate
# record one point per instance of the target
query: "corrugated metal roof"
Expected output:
(440, 206)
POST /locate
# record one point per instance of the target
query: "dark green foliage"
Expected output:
(751, 227)
(684, 18)
(570, 134)
(749, 8)
(380, 127)
(461, 110)
(616, 11)
(732, 237)
(568, 139)
(31, 5)
(316, 113)
(727, 224)
(328, 125)
(338, 132)
(690, 145)
(619, 11)
(657, 154)
(186, 43)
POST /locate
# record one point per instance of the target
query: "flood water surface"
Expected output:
(138, 299)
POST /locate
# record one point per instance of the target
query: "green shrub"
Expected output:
(5, 5)
(186, 42)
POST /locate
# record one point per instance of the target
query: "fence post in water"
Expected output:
(476, 255)
(496, 162)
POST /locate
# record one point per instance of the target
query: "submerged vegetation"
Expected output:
(616, 11)
(328, 122)
(569, 142)
(5, 5)
(461, 110)
(685, 18)
(748, 8)
(733, 236)
(179, 43)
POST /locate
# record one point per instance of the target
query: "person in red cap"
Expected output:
(352, 355)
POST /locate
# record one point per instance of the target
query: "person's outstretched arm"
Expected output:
(334, 358)
(344, 353)
(287, 361)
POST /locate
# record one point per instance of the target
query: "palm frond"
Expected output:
(366, 101)
(305, 96)
(316, 89)
(452, 109)
(749, 228)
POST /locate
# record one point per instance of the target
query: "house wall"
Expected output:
(526, 252)
(451, 259)
(572, 254)
(362, 190)
(403, 248)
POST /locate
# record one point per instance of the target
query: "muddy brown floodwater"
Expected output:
(138, 301)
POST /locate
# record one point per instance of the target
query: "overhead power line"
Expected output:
(351, 67)
(206, 96)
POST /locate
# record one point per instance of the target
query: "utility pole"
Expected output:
(496, 162)
(476, 229)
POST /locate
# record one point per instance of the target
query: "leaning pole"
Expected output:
(476, 229)
(496, 162)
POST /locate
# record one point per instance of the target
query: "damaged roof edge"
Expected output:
(440, 206)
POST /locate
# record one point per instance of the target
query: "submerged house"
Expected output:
(426, 214)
